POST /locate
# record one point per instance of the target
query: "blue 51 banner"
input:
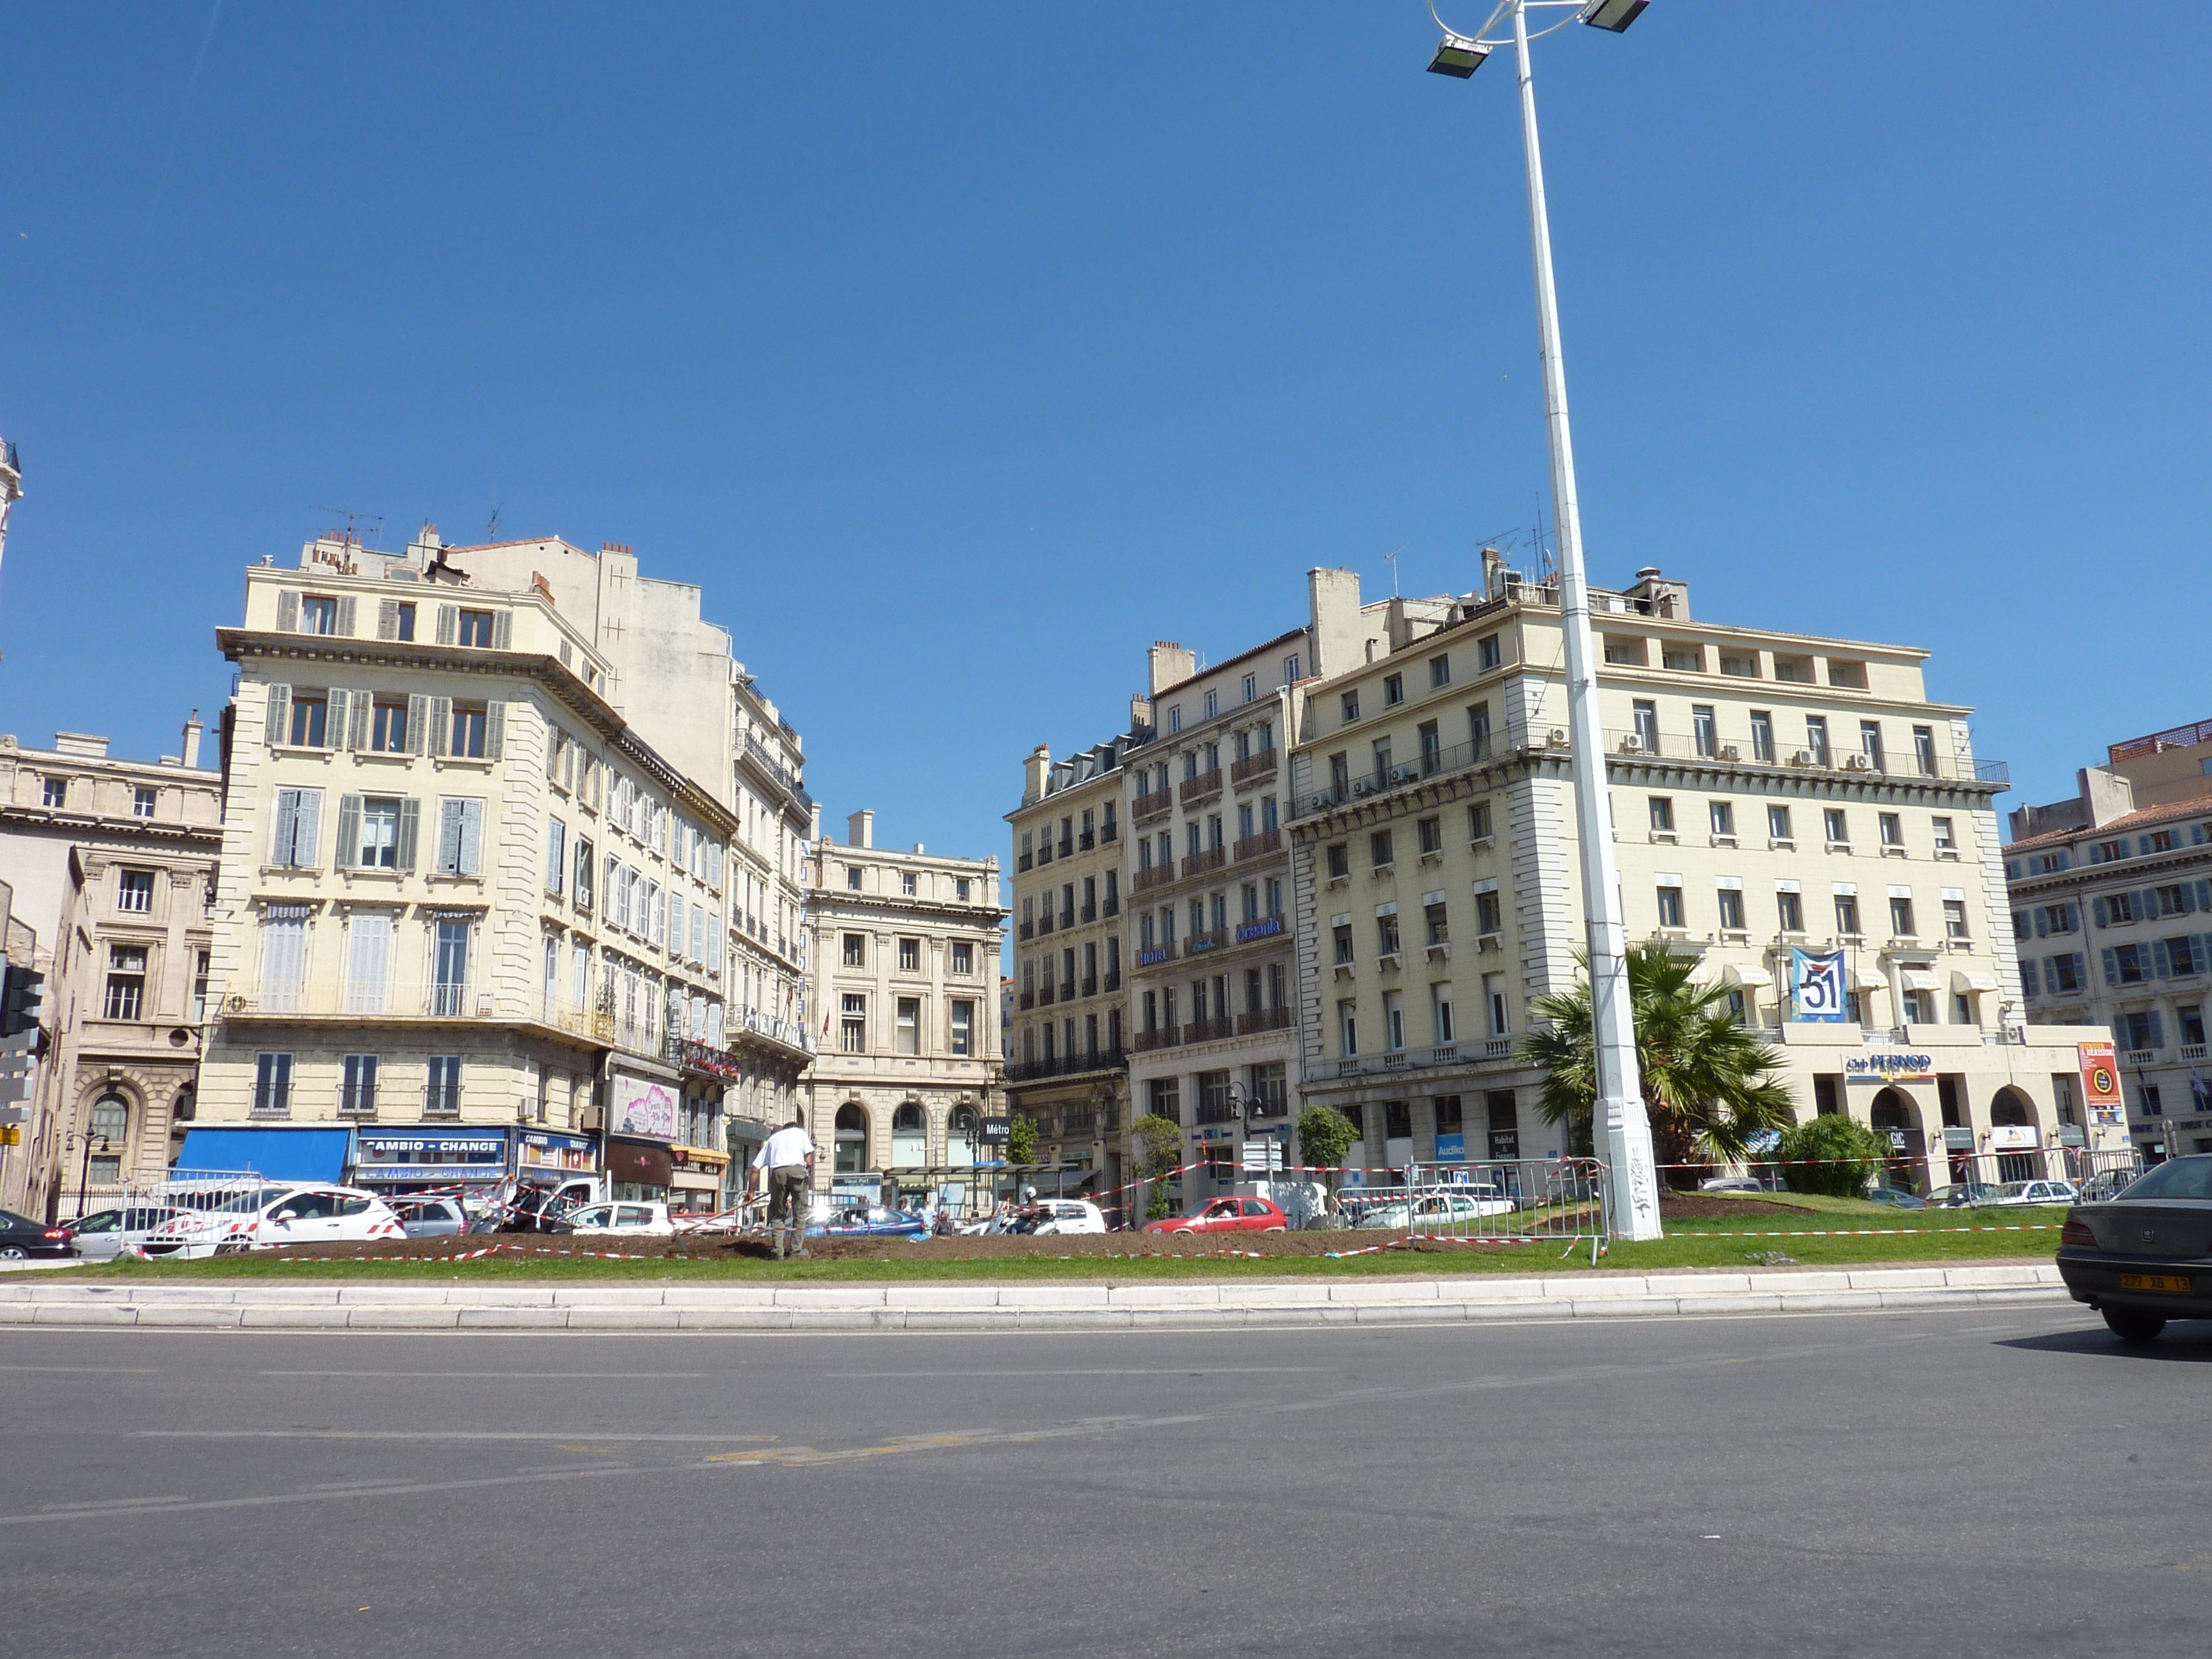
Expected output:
(1817, 986)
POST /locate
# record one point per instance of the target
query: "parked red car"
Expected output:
(1227, 1215)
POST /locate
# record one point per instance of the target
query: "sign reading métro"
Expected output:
(997, 1128)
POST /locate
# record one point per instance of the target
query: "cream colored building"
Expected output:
(111, 862)
(1769, 791)
(1068, 1027)
(905, 950)
(2111, 901)
(465, 906)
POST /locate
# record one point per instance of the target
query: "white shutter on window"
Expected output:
(387, 619)
(442, 724)
(471, 837)
(286, 828)
(335, 718)
(363, 707)
(345, 614)
(449, 837)
(557, 854)
(411, 830)
(343, 856)
(495, 727)
(287, 610)
(279, 715)
(310, 823)
(284, 954)
(503, 630)
(418, 723)
(449, 623)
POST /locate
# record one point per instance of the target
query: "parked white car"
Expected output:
(2018, 1194)
(272, 1217)
(627, 1220)
(1069, 1215)
(1457, 1208)
(105, 1234)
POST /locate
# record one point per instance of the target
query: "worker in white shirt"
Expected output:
(786, 1163)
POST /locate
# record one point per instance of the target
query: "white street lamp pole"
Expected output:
(1622, 1128)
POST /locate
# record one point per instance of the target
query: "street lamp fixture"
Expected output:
(1457, 56)
(1615, 14)
(1622, 1128)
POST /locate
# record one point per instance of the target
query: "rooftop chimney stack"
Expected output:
(192, 730)
(860, 828)
(1035, 770)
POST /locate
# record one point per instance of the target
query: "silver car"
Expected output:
(432, 1217)
(105, 1234)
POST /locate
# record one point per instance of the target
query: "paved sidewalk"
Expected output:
(235, 1304)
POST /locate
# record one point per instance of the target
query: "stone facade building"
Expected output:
(111, 862)
(466, 907)
(2111, 914)
(905, 951)
(1769, 791)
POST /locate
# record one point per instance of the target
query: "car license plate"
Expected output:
(2179, 1283)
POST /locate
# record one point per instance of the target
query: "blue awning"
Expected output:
(317, 1153)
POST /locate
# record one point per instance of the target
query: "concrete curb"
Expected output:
(984, 1307)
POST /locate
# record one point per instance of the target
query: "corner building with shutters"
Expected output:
(1769, 791)
(465, 906)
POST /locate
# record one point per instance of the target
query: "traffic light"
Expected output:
(22, 999)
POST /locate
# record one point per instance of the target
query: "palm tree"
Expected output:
(1709, 1086)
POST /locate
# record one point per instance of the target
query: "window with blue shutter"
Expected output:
(2112, 966)
(2027, 975)
(2104, 912)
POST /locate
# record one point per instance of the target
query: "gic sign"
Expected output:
(2101, 1083)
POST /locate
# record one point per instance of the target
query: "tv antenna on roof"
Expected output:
(354, 521)
(1391, 559)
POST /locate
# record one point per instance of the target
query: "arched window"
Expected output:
(909, 1137)
(2009, 1110)
(852, 1138)
(111, 1119)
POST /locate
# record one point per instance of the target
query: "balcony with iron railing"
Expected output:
(1151, 956)
(1255, 845)
(1200, 788)
(1044, 994)
(1113, 983)
(1089, 913)
(1067, 990)
(1027, 930)
(1433, 763)
(775, 770)
(437, 1000)
(1066, 920)
(1067, 846)
(1087, 840)
(1025, 861)
(1201, 863)
(1110, 906)
(1223, 1111)
(1152, 805)
(1716, 748)
(1265, 1020)
(1091, 986)
(1164, 1036)
(1261, 764)
(1214, 938)
(1109, 832)
(1160, 875)
(1208, 1031)
(1075, 1065)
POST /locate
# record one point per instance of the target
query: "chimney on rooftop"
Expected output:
(192, 730)
(1169, 664)
(860, 827)
(1035, 770)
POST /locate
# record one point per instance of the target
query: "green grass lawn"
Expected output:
(1909, 1237)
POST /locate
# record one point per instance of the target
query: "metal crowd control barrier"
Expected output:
(1505, 1201)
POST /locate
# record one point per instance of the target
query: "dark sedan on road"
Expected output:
(20, 1237)
(2146, 1257)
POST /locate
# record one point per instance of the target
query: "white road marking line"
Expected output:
(91, 1370)
(427, 1434)
(1130, 1370)
(526, 1377)
(88, 1505)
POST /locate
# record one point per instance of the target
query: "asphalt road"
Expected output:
(2002, 1483)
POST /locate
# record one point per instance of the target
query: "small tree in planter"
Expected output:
(1831, 1154)
(1325, 1135)
(1158, 1143)
(1022, 1139)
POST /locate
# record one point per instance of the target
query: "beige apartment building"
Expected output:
(905, 951)
(674, 678)
(2110, 893)
(1769, 792)
(1067, 1040)
(466, 909)
(112, 865)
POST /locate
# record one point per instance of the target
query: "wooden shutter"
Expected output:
(336, 717)
(279, 715)
(442, 724)
(2204, 895)
(410, 828)
(495, 727)
(503, 630)
(310, 823)
(286, 828)
(557, 854)
(363, 707)
(345, 614)
(471, 837)
(2027, 975)
(2102, 919)
(2161, 959)
(2073, 916)
(449, 623)
(2112, 967)
(387, 619)
(2157, 1031)
(343, 855)
(449, 837)
(554, 739)
(418, 723)
(287, 610)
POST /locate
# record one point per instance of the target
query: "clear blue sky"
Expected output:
(961, 351)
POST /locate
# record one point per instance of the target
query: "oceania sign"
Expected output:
(1261, 929)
